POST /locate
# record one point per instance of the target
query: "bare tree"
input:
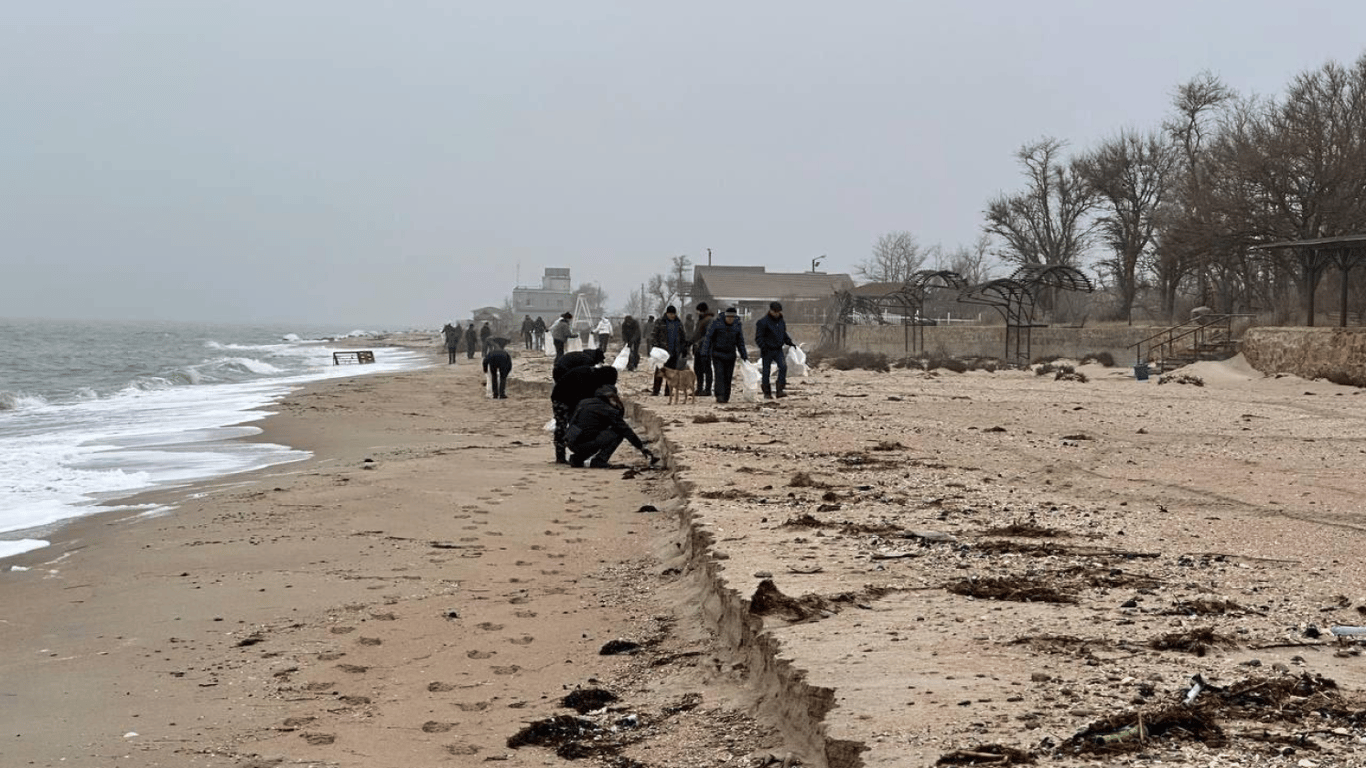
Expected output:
(1131, 176)
(973, 263)
(1187, 230)
(638, 305)
(895, 257)
(1048, 222)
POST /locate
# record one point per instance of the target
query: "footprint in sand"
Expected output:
(355, 669)
(511, 669)
(462, 749)
(330, 655)
(432, 726)
(370, 641)
(440, 687)
(526, 614)
(318, 686)
(462, 516)
(355, 701)
(291, 723)
(384, 617)
(480, 654)
(489, 626)
(341, 630)
(523, 640)
(519, 600)
(476, 706)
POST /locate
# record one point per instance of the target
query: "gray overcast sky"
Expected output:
(393, 164)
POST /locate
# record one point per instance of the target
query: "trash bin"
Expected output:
(1141, 371)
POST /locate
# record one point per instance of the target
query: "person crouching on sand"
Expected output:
(598, 427)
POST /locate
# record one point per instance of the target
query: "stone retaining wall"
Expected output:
(985, 340)
(1336, 354)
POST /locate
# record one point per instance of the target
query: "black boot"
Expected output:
(560, 457)
(768, 393)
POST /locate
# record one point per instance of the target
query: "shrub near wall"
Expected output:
(1335, 354)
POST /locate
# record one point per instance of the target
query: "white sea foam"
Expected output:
(20, 546)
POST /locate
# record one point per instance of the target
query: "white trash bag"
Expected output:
(550, 425)
(623, 359)
(749, 381)
(488, 385)
(658, 357)
(796, 362)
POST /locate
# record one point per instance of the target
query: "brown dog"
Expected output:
(682, 384)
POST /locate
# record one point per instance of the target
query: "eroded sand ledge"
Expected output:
(1226, 511)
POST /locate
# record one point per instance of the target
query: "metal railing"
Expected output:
(1198, 336)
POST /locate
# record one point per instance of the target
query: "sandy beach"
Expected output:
(885, 569)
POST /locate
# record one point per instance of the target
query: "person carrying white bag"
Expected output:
(770, 336)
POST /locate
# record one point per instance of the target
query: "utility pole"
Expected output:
(816, 262)
(709, 257)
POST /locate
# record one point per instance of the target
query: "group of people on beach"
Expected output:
(589, 416)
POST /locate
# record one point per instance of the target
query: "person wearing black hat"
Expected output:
(574, 387)
(770, 336)
(484, 334)
(669, 336)
(630, 336)
(725, 340)
(497, 365)
(701, 364)
(560, 334)
(598, 427)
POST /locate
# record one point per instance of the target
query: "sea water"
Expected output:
(91, 412)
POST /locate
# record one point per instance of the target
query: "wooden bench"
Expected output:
(357, 357)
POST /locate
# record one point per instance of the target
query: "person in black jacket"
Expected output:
(484, 334)
(575, 385)
(725, 340)
(598, 427)
(770, 336)
(497, 365)
(452, 334)
(528, 331)
(701, 364)
(669, 336)
(572, 360)
(539, 329)
(630, 335)
(471, 340)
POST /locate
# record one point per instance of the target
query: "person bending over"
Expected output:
(572, 360)
(574, 386)
(497, 365)
(598, 427)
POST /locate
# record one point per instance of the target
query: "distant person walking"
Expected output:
(561, 333)
(647, 331)
(528, 331)
(471, 340)
(770, 336)
(484, 334)
(497, 366)
(669, 336)
(701, 364)
(540, 330)
(725, 340)
(604, 332)
(630, 336)
(452, 334)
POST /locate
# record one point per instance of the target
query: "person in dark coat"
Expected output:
(471, 341)
(670, 337)
(598, 427)
(630, 336)
(452, 334)
(484, 334)
(576, 384)
(725, 340)
(528, 331)
(647, 331)
(561, 333)
(770, 336)
(701, 364)
(539, 329)
(573, 360)
(497, 365)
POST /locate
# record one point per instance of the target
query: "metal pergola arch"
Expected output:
(1015, 298)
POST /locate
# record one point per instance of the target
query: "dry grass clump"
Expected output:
(946, 363)
(1052, 366)
(1181, 378)
(1346, 379)
(705, 418)
(1070, 375)
(1101, 358)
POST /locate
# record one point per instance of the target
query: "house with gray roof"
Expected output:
(805, 295)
